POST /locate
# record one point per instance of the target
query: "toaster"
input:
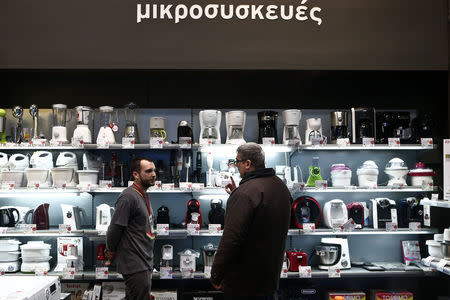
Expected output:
(296, 258)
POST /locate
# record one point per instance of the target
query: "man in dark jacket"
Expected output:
(249, 258)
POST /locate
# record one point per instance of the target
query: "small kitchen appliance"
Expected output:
(306, 209)
(381, 212)
(217, 213)
(210, 126)
(339, 125)
(193, 207)
(313, 130)
(397, 170)
(356, 212)
(421, 176)
(41, 162)
(88, 177)
(103, 217)
(163, 216)
(73, 216)
(59, 117)
(20, 217)
(267, 121)
(363, 124)
(166, 256)
(235, 121)
(208, 254)
(314, 173)
(39, 216)
(35, 255)
(3, 160)
(9, 217)
(85, 119)
(65, 171)
(368, 174)
(108, 125)
(423, 126)
(157, 128)
(409, 210)
(291, 130)
(70, 253)
(188, 259)
(131, 129)
(296, 258)
(393, 124)
(333, 252)
(31, 287)
(184, 132)
(2, 126)
(335, 213)
(34, 113)
(341, 175)
(15, 170)
(17, 131)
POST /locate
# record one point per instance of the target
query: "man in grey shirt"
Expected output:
(130, 237)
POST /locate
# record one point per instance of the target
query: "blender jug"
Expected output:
(59, 117)
(108, 125)
(85, 118)
(130, 122)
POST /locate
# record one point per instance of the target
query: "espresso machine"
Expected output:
(313, 130)
(184, 131)
(291, 130)
(34, 113)
(17, 132)
(2, 126)
(235, 121)
(107, 125)
(393, 124)
(381, 212)
(339, 123)
(267, 121)
(422, 126)
(85, 118)
(131, 129)
(363, 124)
(210, 126)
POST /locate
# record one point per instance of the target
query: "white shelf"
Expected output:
(380, 189)
(437, 203)
(41, 233)
(93, 146)
(364, 231)
(334, 147)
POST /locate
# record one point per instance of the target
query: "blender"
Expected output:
(314, 173)
(131, 130)
(2, 126)
(34, 112)
(108, 126)
(313, 130)
(235, 121)
(291, 132)
(59, 130)
(397, 170)
(17, 133)
(267, 121)
(339, 123)
(85, 117)
(210, 126)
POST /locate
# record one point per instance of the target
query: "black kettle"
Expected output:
(7, 218)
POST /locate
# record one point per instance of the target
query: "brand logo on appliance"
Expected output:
(203, 298)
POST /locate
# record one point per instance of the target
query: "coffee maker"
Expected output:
(210, 126)
(184, 132)
(291, 130)
(2, 126)
(235, 121)
(422, 126)
(157, 128)
(306, 209)
(381, 212)
(131, 130)
(107, 125)
(363, 124)
(313, 130)
(409, 210)
(339, 123)
(393, 124)
(267, 121)
(59, 130)
(85, 117)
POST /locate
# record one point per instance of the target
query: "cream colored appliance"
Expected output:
(235, 122)
(210, 126)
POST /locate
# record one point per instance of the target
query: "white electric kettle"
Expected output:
(104, 216)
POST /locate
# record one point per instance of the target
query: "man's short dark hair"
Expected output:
(254, 153)
(135, 163)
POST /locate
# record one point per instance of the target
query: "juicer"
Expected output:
(2, 126)
(17, 131)
(59, 117)
(363, 124)
(85, 118)
(210, 126)
(235, 121)
(333, 252)
(108, 125)
(267, 121)
(313, 130)
(314, 173)
(291, 130)
(131, 129)
(339, 125)
(397, 170)
(34, 113)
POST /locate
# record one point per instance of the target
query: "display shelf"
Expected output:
(364, 231)
(94, 146)
(26, 190)
(96, 235)
(437, 203)
(118, 190)
(434, 265)
(380, 189)
(334, 147)
(41, 233)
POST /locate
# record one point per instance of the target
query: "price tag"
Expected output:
(162, 229)
(187, 273)
(309, 227)
(54, 143)
(426, 142)
(193, 229)
(214, 228)
(337, 227)
(8, 185)
(350, 187)
(68, 273)
(334, 272)
(3, 230)
(343, 142)
(77, 143)
(207, 271)
(321, 184)
(394, 215)
(350, 225)
(298, 186)
(64, 229)
(156, 143)
(185, 142)
(427, 186)
(128, 143)
(427, 261)
(102, 144)
(304, 272)
(39, 142)
(390, 226)
(368, 142)
(198, 186)
(85, 187)
(317, 142)
(294, 143)
(157, 186)
(284, 271)
(394, 142)
(40, 272)
(102, 232)
(415, 226)
(427, 215)
(29, 228)
(186, 186)
(441, 264)
(2, 272)
(168, 186)
(434, 197)
(269, 141)
(106, 184)
(165, 273)
(101, 273)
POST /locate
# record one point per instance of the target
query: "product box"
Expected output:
(390, 295)
(76, 289)
(113, 290)
(164, 294)
(202, 295)
(347, 295)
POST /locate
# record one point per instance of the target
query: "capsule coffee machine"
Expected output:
(313, 130)
(59, 130)
(2, 126)
(363, 124)
(381, 212)
(131, 129)
(235, 121)
(291, 130)
(393, 124)
(339, 123)
(210, 126)
(267, 121)
(85, 117)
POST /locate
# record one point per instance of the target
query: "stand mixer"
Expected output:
(397, 170)
(333, 252)
(85, 118)
(210, 126)
(2, 126)
(313, 130)
(291, 130)
(17, 132)
(131, 129)
(108, 126)
(59, 130)
(235, 121)
(34, 113)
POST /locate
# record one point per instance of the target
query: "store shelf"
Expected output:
(437, 203)
(380, 189)
(434, 265)
(94, 146)
(25, 190)
(41, 233)
(334, 147)
(364, 231)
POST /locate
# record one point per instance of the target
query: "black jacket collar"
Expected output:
(266, 172)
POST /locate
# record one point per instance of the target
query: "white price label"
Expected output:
(337, 226)
(106, 184)
(334, 272)
(54, 143)
(130, 182)
(321, 184)
(415, 226)
(128, 143)
(198, 186)
(77, 143)
(193, 229)
(39, 142)
(29, 228)
(162, 229)
(8, 185)
(294, 143)
(40, 272)
(85, 187)
(343, 142)
(427, 186)
(68, 273)
(427, 215)
(427, 261)
(368, 142)
(214, 228)
(64, 229)
(207, 272)
(168, 186)
(157, 186)
(33, 185)
(309, 227)
(185, 142)
(284, 272)
(441, 264)
(187, 273)
(350, 225)
(317, 142)
(304, 272)
(394, 142)
(394, 215)
(102, 232)
(102, 144)
(186, 186)
(3, 230)
(390, 226)
(434, 197)
(269, 141)
(101, 273)
(298, 186)
(426, 142)
(165, 273)
(156, 143)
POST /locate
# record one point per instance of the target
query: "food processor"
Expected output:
(108, 125)
(157, 128)
(314, 173)
(306, 209)
(339, 125)
(59, 130)
(381, 212)
(421, 176)
(333, 252)
(334, 213)
(368, 174)
(409, 210)
(17, 131)
(85, 119)
(210, 126)
(2, 126)
(363, 124)
(341, 175)
(41, 162)
(34, 113)
(267, 121)
(291, 130)
(235, 121)
(131, 129)
(397, 170)
(313, 130)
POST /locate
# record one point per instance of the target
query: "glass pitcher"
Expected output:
(60, 115)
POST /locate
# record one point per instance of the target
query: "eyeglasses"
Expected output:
(239, 160)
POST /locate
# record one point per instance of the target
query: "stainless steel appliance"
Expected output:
(34, 113)
(131, 129)
(333, 252)
(17, 131)
(208, 254)
(339, 125)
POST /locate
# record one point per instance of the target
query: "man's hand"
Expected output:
(217, 287)
(229, 188)
(110, 255)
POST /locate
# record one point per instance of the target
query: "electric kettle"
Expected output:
(7, 218)
(39, 216)
(104, 217)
